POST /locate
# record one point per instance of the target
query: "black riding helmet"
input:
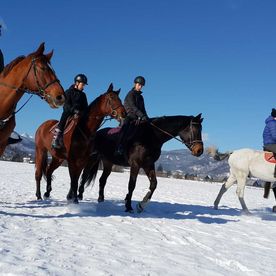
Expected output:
(81, 78)
(141, 80)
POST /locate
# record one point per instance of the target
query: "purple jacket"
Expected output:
(269, 133)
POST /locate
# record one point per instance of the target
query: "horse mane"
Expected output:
(9, 67)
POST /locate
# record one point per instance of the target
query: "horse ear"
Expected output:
(49, 55)
(118, 91)
(199, 116)
(110, 88)
(201, 120)
(40, 49)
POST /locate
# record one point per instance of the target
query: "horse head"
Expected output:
(41, 79)
(111, 104)
(191, 135)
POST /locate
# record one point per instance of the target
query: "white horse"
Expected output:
(244, 163)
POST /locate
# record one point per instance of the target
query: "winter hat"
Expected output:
(273, 112)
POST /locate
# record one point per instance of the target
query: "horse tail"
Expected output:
(89, 173)
(221, 156)
(267, 189)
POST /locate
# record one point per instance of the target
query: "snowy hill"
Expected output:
(25, 148)
(183, 160)
(178, 234)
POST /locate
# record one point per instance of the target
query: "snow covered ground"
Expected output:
(178, 234)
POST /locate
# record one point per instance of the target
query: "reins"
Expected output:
(192, 141)
(164, 131)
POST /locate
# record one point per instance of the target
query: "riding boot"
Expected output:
(57, 142)
(122, 139)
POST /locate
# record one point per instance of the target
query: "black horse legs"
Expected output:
(150, 172)
(106, 172)
(131, 186)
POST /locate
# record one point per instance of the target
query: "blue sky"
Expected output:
(215, 57)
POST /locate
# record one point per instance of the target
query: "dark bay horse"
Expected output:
(142, 151)
(31, 74)
(78, 142)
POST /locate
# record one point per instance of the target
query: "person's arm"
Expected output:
(272, 127)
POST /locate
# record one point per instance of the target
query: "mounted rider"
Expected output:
(269, 134)
(75, 103)
(136, 112)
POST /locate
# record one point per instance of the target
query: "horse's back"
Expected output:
(44, 131)
(242, 158)
(251, 162)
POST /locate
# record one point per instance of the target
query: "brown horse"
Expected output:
(32, 74)
(78, 141)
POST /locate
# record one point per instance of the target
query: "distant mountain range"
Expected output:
(172, 160)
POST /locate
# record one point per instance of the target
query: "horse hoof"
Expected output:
(75, 201)
(246, 212)
(129, 210)
(80, 197)
(46, 195)
(139, 208)
(274, 209)
(100, 199)
(216, 207)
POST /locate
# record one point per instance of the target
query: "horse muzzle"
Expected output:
(197, 149)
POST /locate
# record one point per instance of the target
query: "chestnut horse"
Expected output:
(78, 141)
(143, 149)
(32, 74)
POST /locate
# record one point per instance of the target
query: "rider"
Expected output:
(269, 134)
(75, 103)
(135, 109)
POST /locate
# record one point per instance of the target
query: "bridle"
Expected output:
(114, 112)
(192, 140)
(41, 90)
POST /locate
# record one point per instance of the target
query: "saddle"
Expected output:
(71, 122)
(114, 130)
(269, 157)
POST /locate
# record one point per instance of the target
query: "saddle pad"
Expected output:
(268, 156)
(69, 125)
(114, 130)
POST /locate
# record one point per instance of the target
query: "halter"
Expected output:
(41, 90)
(192, 141)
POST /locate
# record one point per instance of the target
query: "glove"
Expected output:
(76, 111)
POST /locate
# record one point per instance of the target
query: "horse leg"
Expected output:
(267, 189)
(274, 191)
(150, 172)
(106, 172)
(241, 179)
(230, 181)
(55, 163)
(134, 169)
(40, 165)
(74, 172)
